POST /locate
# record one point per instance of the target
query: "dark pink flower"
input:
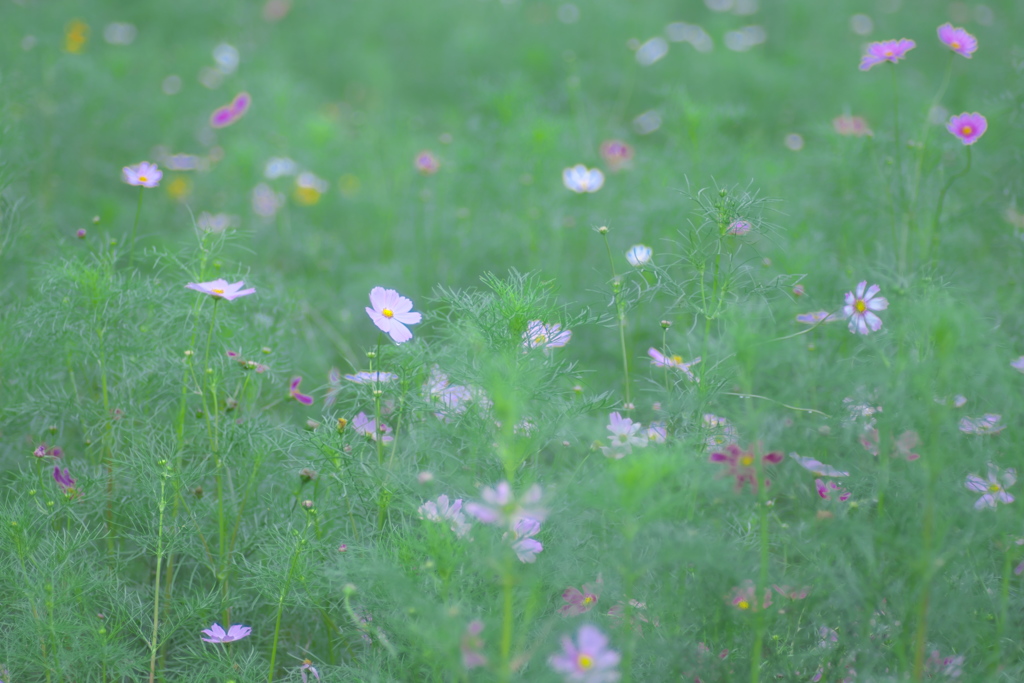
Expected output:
(958, 40)
(42, 451)
(741, 465)
(230, 113)
(64, 480)
(616, 153)
(578, 602)
(886, 51)
(216, 633)
(824, 490)
(293, 391)
(967, 127)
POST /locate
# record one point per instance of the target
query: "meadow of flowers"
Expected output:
(511, 340)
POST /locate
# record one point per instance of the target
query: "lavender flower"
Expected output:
(886, 51)
(546, 336)
(143, 174)
(993, 488)
(588, 659)
(859, 308)
(501, 508)
(216, 633)
(443, 511)
(293, 392)
(471, 646)
(625, 435)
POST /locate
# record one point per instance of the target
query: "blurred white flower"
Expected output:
(638, 255)
(652, 51)
(580, 179)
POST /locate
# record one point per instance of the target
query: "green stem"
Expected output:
(377, 392)
(926, 129)
(156, 582)
(135, 227)
(900, 204)
(762, 583)
(932, 243)
(620, 309)
(507, 622)
(284, 593)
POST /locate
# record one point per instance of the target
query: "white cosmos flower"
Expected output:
(860, 305)
(580, 179)
(638, 255)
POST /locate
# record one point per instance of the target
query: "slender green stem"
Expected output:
(284, 594)
(507, 622)
(156, 581)
(926, 129)
(377, 392)
(620, 309)
(934, 237)
(1004, 604)
(135, 227)
(762, 582)
(900, 203)
(108, 452)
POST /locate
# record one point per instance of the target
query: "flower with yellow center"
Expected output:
(993, 488)
(391, 312)
(860, 307)
(584, 662)
(222, 289)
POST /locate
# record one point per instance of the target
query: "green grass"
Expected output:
(193, 473)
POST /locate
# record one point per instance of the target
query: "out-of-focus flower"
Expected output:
(76, 35)
(368, 427)
(625, 435)
(817, 467)
(854, 126)
(217, 634)
(987, 424)
(792, 593)
(276, 10)
(449, 513)
(827, 637)
(363, 377)
(1018, 364)
(545, 336)
(886, 51)
(741, 465)
(391, 313)
(815, 317)
(638, 255)
(427, 163)
(723, 434)
(860, 307)
(142, 174)
(967, 127)
(227, 58)
(308, 188)
(902, 446)
(945, 667)
(794, 142)
(958, 40)
(307, 665)
(277, 167)
(120, 33)
(266, 202)
(42, 451)
(577, 602)
(215, 222)
(525, 546)
(744, 597)
(471, 646)
(222, 289)
(617, 154)
(825, 490)
(660, 360)
(501, 508)
(656, 432)
(80, 233)
(293, 392)
(64, 480)
(739, 227)
(647, 122)
(231, 113)
(635, 614)
(994, 487)
(588, 659)
(956, 401)
(652, 51)
(580, 179)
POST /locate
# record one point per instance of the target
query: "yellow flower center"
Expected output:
(217, 291)
(888, 53)
(955, 45)
(388, 313)
(540, 339)
(994, 487)
(307, 662)
(860, 306)
(678, 360)
(143, 179)
(584, 661)
(967, 130)
(589, 599)
(747, 461)
(743, 604)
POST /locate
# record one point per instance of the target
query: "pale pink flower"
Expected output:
(577, 601)
(848, 125)
(660, 360)
(445, 512)
(471, 646)
(391, 313)
(363, 377)
(216, 633)
(792, 593)
(307, 665)
(958, 40)
(987, 424)
(739, 227)
(817, 467)
(143, 174)
(581, 180)
(427, 163)
(625, 435)
(657, 432)
(723, 433)
(860, 307)
(501, 508)
(368, 427)
(222, 289)
(824, 490)
(545, 336)
(523, 541)
(588, 659)
(994, 487)
(635, 614)
(945, 667)
(1018, 364)
(815, 317)
(886, 51)
(616, 153)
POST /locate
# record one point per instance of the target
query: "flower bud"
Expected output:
(80, 233)
(342, 423)
(307, 475)
(307, 504)
(665, 324)
(603, 230)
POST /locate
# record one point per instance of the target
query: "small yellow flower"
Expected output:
(76, 34)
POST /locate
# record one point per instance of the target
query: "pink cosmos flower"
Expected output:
(363, 377)
(216, 633)
(741, 465)
(64, 480)
(958, 40)
(545, 336)
(581, 180)
(471, 646)
(824, 490)
(426, 163)
(854, 126)
(368, 427)
(660, 360)
(578, 602)
(945, 667)
(222, 289)
(501, 508)
(656, 432)
(588, 659)
(859, 308)
(987, 424)
(744, 597)
(967, 127)
(391, 313)
(739, 228)
(902, 446)
(230, 113)
(443, 511)
(792, 593)
(42, 451)
(993, 488)
(815, 317)
(143, 174)
(307, 665)
(293, 392)
(616, 153)
(334, 387)
(817, 467)
(523, 543)
(886, 51)
(625, 435)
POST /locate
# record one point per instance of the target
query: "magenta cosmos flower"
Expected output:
(741, 465)
(588, 659)
(216, 633)
(744, 597)
(501, 508)
(860, 305)
(230, 113)
(391, 313)
(143, 174)
(64, 480)
(994, 488)
(293, 392)
(958, 40)
(616, 153)
(886, 51)
(967, 127)
(580, 601)
(222, 289)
